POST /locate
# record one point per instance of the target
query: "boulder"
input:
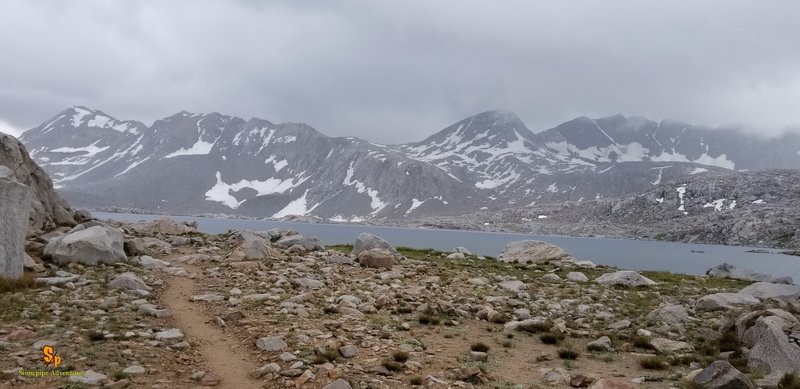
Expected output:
(377, 258)
(47, 209)
(309, 243)
(532, 251)
(624, 278)
(462, 250)
(128, 281)
(722, 375)
(768, 290)
(338, 384)
(576, 276)
(257, 249)
(271, 344)
(669, 314)
(727, 270)
(603, 343)
(90, 246)
(277, 233)
(725, 301)
(14, 211)
(455, 256)
(340, 259)
(771, 352)
(366, 241)
(666, 346)
(513, 285)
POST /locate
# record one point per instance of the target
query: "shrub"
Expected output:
(508, 344)
(400, 356)
(568, 353)
(480, 346)
(789, 381)
(416, 381)
(393, 366)
(26, 282)
(96, 336)
(326, 355)
(642, 342)
(549, 338)
(595, 347)
(536, 327)
(729, 341)
(654, 363)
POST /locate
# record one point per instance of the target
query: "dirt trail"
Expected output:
(226, 357)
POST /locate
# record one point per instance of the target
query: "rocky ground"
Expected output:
(179, 308)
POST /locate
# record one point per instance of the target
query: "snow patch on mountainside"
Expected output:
(634, 152)
(414, 204)
(295, 207)
(220, 192)
(200, 147)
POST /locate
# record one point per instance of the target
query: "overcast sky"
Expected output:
(399, 71)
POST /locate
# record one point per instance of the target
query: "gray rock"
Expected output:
(556, 376)
(531, 251)
(455, 256)
(207, 297)
(576, 276)
(513, 285)
(666, 346)
(91, 378)
(340, 259)
(604, 343)
(669, 314)
(256, 250)
(722, 375)
(14, 211)
(551, 277)
(348, 351)
(308, 283)
(767, 290)
(377, 258)
(91, 246)
(624, 278)
(771, 352)
(266, 369)
(172, 333)
(271, 344)
(725, 301)
(152, 310)
(462, 250)
(128, 281)
(309, 243)
(149, 262)
(134, 370)
(338, 384)
(47, 209)
(366, 241)
(727, 270)
(277, 233)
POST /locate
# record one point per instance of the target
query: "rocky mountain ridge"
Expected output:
(744, 208)
(213, 163)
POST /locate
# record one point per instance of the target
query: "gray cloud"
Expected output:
(398, 71)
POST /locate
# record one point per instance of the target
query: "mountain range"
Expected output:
(191, 163)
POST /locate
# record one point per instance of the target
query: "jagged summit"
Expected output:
(216, 163)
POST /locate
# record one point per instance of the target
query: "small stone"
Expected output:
(134, 370)
(338, 384)
(348, 351)
(264, 370)
(172, 333)
(210, 379)
(271, 344)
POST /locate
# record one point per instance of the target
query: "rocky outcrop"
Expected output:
(90, 246)
(532, 251)
(48, 210)
(14, 215)
(624, 278)
(727, 270)
(308, 243)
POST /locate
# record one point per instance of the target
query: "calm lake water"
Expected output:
(627, 254)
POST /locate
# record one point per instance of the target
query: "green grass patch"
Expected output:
(27, 281)
(654, 363)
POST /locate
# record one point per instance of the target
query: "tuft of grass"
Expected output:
(326, 355)
(789, 381)
(27, 281)
(535, 328)
(479, 346)
(642, 342)
(508, 344)
(729, 341)
(549, 339)
(400, 356)
(415, 381)
(595, 348)
(654, 363)
(568, 353)
(393, 366)
(120, 375)
(427, 319)
(96, 336)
